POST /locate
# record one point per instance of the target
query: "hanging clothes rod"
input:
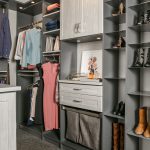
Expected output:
(29, 25)
(80, 111)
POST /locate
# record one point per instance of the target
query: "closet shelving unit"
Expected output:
(54, 135)
(138, 89)
(26, 15)
(114, 70)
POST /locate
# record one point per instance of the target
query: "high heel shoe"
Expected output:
(120, 43)
(121, 9)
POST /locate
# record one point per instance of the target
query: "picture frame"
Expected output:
(91, 62)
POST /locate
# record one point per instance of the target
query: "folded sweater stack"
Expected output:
(53, 7)
(52, 25)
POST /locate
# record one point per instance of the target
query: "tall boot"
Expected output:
(138, 58)
(147, 131)
(121, 137)
(115, 136)
(147, 64)
(142, 121)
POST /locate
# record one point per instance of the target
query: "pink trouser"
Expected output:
(50, 107)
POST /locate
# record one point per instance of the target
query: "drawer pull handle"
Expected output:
(77, 101)
(77, 89)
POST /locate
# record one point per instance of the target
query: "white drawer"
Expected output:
(81, 89)
(93, 103)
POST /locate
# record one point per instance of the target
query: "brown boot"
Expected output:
(121, 137)
(115, 136)
(147, 131)
(142, 121)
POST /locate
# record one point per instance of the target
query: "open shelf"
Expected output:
(140, 93)
(141, 28)
(52, 136)
(141, 6)
(139, 67)
(51, 52)
(116, 49)
(114, 116)
(137, 45)
(52, 15)
(118, 19)
(114, 33)
(131, 133)
(27, 71)
(115, 78)
(113, 3)
(52, 32)
(74, 146)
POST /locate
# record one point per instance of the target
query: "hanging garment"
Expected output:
(53, 7)
(32, 107)
(50, 72)
(90, 132)
(49, 44)
(32, 48)
(39, 118)
(57, 44)
(5, 36)
(20, 46)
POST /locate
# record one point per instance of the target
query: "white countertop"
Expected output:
(4, 88)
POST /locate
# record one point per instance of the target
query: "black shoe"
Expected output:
(147, 64)
(117, 108)
(122, 110)
(138, 58)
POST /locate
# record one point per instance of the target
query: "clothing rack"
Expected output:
(92, 114)
(30, 25)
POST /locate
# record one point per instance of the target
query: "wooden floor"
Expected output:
(26, 141)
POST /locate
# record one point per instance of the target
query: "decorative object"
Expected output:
(91, 64)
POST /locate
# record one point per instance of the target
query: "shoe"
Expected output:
(147, 131)
(115, 136)
(147, 64)
(122, 110)
(120, 43)
(121, 9)
(121, 147)
(117, 108)
(140, 129)
(141, 20)
(138, 58)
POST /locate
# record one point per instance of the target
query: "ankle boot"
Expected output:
(147, 64)
(142, 121)
(115, 136)
(121, 137)
(138, 58)
(147, 131)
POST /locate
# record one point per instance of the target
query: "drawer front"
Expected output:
(81, 89)
(93, 103)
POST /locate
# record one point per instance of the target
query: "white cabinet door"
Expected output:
(67, 18)
(71, 13)
(92, 17)
(8, 121)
